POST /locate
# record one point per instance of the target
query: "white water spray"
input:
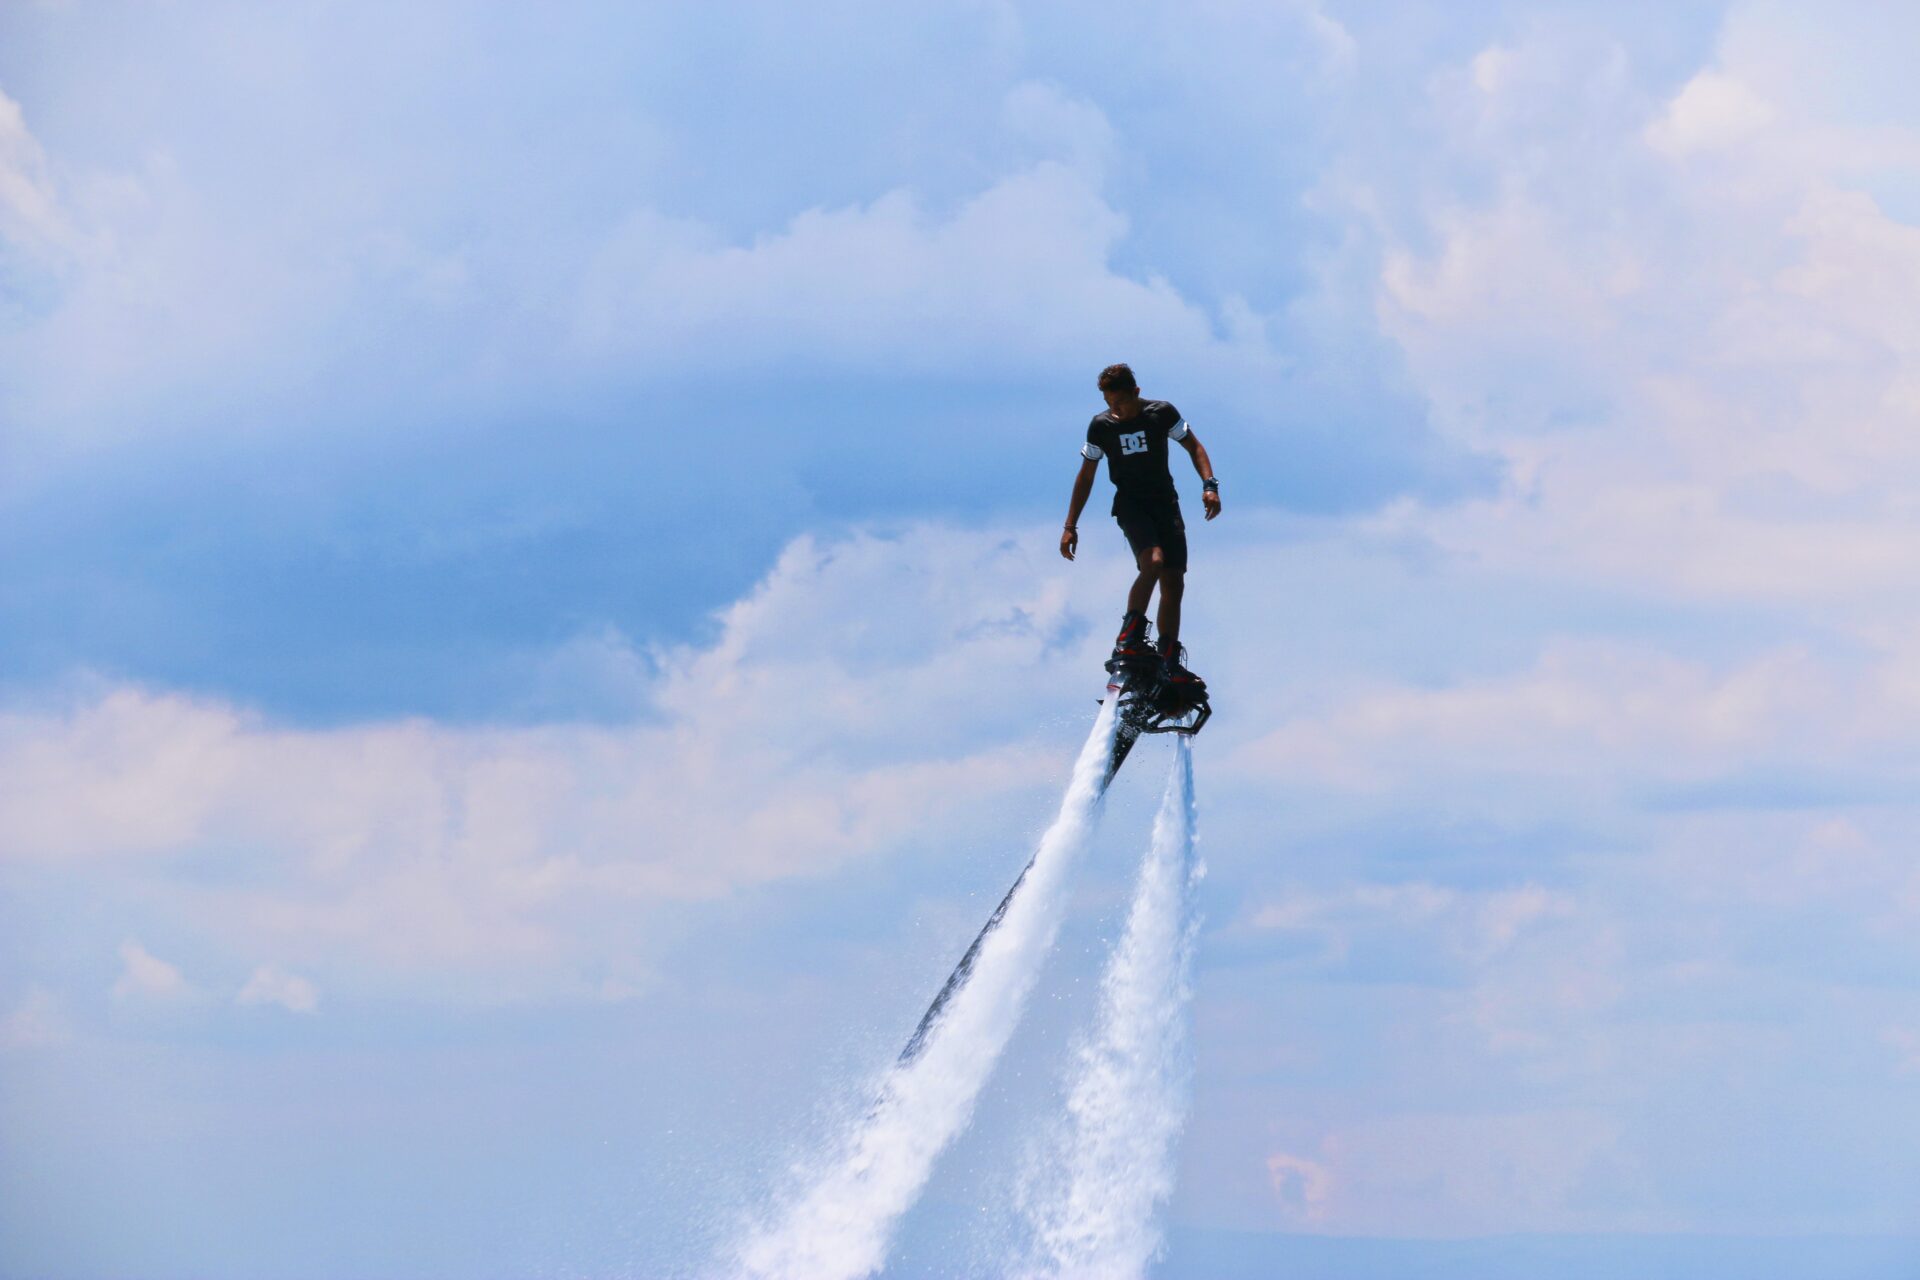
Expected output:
(840, 1224)
(1093, 1202)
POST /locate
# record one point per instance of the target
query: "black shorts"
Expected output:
(1155, 523)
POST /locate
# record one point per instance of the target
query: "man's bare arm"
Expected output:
(1209, 498)
(1082, 487)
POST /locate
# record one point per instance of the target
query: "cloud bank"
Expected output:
(1564, 375)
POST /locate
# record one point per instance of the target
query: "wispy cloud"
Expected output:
(290, 991)
(31, 218)
(144, 976)
(39, 1021)
(784, 749)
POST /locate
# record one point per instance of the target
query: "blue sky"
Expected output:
(532, 635)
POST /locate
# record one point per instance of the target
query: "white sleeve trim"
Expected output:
(1180, 430)
(1091, 452)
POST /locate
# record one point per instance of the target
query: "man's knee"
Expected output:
(1153, 563)
(1172, 581)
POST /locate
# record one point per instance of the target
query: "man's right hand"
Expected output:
(1069, 541)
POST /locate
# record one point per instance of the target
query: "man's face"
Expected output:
(1123, 403)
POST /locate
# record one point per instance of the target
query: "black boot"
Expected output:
(1131, 648)
(1175, 671)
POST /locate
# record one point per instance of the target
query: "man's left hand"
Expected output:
(1211, 501)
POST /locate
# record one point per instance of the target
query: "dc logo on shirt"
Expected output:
(1133, 442)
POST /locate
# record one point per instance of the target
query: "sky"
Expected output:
(530, 632)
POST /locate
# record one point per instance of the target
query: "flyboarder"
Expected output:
(1150, 690)
(1132, 436)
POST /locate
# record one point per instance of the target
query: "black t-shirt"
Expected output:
(1136, 451)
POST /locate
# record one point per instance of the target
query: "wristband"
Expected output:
(1210, 486)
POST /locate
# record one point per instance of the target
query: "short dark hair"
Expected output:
(1117, 377)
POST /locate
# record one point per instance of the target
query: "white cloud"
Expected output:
(1505, 915)
(31, 217)
(187, 294)
(146, 976)
(1683, 324)
(817, 730)
(268, 985)
(1713, 110)
(1061, 127)
(1905, 1043)
(791, 746)
(1474, 924)
(1589, 714)
(37, 1022)
(1448, 1175)
(1018, 277)
(1842, 862)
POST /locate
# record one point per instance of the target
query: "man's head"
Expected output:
(1121, 391)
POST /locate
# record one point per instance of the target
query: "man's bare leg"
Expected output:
(1173, 585)
(1151, 564)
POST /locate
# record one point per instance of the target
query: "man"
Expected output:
(1132, 436)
